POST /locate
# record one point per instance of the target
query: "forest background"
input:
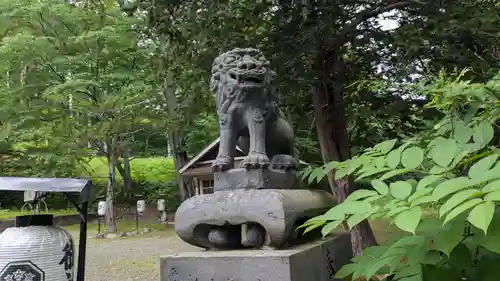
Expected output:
(117, 91)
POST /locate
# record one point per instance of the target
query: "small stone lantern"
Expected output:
(163, 210)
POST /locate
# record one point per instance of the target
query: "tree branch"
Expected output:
(53, 70)
(347, 31)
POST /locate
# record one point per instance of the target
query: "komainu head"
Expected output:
(244, 69)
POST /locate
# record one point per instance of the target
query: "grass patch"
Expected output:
(124, 226)
(147, 263)
(9, 214)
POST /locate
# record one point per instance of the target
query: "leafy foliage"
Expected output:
(452, 169)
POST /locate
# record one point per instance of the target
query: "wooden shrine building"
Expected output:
(200, 167)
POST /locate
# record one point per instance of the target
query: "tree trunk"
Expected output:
(110, 210)
(127, 175)
(175, 140)
(186, 187)
(331, 124)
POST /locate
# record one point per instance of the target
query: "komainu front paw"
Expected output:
(255, 160)
(284, 162)
(222, 163)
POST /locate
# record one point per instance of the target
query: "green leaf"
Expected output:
(355, 219)
(462, 208)
(472, 147)
(419, 193)
(462, 132)
(313, 227)
(457, 199)
(460, 257)
(373, 267)
(412, 157)
(316, 175)
(449, 236)
(482, 215)
(479, 169)
(492, 186)
(483, 133)
(433, 257)
(393, 158)
(373, 198)
(493, 196)
(409, 219)
(436, 170)
(380, 186)
(393, 173)
(331, 166)
(341, 173)
(379, 162)
(492, 174)
(353, 207)
(329, 227)
(430, 179)
(370, 172)
(305, 173)
(335, 213)
(460, 156)
(490, 241)
(316, 220)
(405, 241)
(356, 207)
(487, 267)
(417, 277)
(423, 200)
(443, 152)
(360, 194)
(408, 271)
(412, 182)
(400, 189)
(451, 186)
(346, 270)
(396, 210)
(385, 146)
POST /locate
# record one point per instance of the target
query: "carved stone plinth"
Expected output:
(251, 218)
(257, 179)
(314, 261)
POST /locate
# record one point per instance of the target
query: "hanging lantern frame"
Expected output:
(84, 190)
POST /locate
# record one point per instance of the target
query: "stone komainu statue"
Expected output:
(262, 203)
(248, 115)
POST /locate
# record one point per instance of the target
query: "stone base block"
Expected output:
(276, 213)
(257, 179)
(314, 261)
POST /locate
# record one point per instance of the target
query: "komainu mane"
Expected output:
(248, 114)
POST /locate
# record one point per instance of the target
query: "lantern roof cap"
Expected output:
(61, 185)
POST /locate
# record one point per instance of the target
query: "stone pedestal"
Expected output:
(256, 179)
(278, 211)
(314, 261)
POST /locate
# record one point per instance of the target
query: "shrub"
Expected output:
(154, 179)
(451, 169)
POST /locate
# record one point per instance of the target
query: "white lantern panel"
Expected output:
(36, 253)
(141, 206)
(101, 208)
(161, 205)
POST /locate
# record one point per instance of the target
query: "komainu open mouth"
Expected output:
(247, 79)
(250, 80)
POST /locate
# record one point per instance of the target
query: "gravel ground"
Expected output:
(130, 259)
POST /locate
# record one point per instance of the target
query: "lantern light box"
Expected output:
(161, 205)
(141, 206)
(101, 208)
(35, 249)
